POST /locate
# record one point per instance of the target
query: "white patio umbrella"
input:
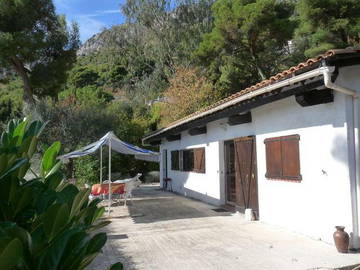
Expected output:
(114, 143)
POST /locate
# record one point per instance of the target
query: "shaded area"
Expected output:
(157, 205)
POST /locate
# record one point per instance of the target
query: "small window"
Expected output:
(282, 158)
(188, 160)
(193, 160)
(175, 161)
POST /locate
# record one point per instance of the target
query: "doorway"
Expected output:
(240, 174)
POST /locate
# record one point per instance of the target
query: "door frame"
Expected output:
(226, 158)
(226, 163)
(164, 163)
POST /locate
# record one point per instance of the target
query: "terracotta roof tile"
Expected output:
(273, 79)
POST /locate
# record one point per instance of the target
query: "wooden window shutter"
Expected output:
(282, 158)
(273, 158)
(290, 157)
(199, 160)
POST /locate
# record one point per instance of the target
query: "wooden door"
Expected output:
(245, 174)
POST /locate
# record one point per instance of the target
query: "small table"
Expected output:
(166, 182)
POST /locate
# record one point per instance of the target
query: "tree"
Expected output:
(327, 24)
(81, 76)
(248, 42)
(174, 27)
(187, 93)
(37, 44)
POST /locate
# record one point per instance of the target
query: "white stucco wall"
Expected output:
(314, 206)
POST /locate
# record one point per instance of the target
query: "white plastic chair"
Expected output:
(130, 186)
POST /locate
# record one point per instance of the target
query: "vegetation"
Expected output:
(327, 24)
(169, 59)
(248, 42)
(187, 93)
(45, 223)
(37, 44)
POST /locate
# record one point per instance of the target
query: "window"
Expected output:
(282, 158)
(175, 161)
(188, 160)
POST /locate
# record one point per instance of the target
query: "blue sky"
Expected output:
(92, 15)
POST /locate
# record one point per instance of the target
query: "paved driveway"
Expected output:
(160, 230)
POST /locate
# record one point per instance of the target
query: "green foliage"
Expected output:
(327, 24)
(45, 223)
(87, 170)
(31, 32)
(88, 96)
(81, 76)
(247, 43)
(117, 76)
(10, 100)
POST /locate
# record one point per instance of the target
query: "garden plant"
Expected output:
(45, 222)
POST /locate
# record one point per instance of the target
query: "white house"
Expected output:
(287, 147)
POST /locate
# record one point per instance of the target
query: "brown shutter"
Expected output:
(273, 158)
(282, 158)
(290, 157)
(199, 160)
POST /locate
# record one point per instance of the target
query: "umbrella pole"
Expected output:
(101, 165)
(110, 191)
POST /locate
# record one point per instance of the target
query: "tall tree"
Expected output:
(327, 24)
(37, 44)
(188, 92)
(248, 42)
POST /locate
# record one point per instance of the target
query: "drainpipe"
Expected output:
(355, 128)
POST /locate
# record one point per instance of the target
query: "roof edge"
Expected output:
(273, 83)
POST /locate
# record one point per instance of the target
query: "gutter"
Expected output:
(355, 157)
(269, 88)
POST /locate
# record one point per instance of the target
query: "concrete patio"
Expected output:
(161, 230)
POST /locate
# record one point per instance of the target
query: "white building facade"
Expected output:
(304, 170)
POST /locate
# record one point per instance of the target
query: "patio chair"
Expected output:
(130, 186)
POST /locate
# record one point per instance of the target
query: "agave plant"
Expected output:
(45, 223)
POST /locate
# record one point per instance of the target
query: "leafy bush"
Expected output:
(10, 100)
(87, 96)
(87, 170)
(45, 223)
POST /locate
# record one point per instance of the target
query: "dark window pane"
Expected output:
(188, 160)
(175, 160)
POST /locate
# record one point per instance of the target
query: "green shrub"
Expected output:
(10, 100)
(45, 223)
(87, 170)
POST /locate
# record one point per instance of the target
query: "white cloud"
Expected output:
(89, 26)
(109, 11)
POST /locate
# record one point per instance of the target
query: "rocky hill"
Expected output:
(112, 37)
